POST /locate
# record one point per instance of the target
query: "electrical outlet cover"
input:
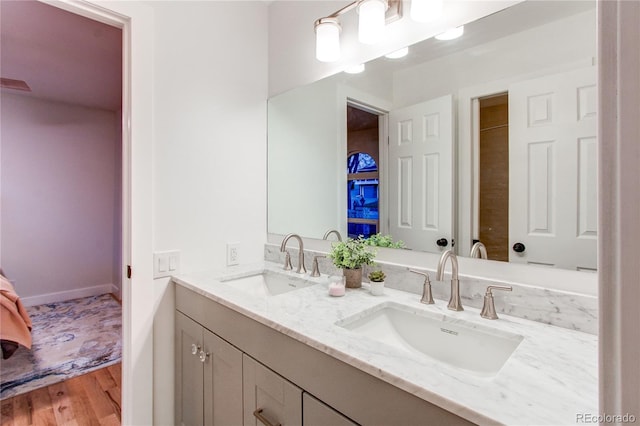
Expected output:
(233, 254)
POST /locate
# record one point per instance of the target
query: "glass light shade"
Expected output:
(426, 10)
(400, 53)
(371, 22)
(451, 34)
(328, 41)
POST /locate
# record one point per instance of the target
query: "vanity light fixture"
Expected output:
(327, 39)
(371, 20)
(355, 69)
(373, 16)
(426, 10)
(451, 34)
(400, 53)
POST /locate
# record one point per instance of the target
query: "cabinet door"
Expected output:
(268, 398)
(317, 413)
(189, 372)
(222, 382)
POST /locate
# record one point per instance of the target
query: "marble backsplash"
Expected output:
(569, 310)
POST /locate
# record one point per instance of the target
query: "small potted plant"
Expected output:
(350, 256)
(376, 279)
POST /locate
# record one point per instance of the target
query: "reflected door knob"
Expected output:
(519, 247)
(442, 242)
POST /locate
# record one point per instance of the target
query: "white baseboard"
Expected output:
(115, 290)
(70, 294)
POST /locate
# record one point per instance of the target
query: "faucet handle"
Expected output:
(427, 297)
(489, 307)
(287, 261)
(315, 272)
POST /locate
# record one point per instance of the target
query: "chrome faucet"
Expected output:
(489, 307)
(332, 231)
(455, 304)
(287, 260)
(427, 297)
(478, 250)
(315, 270)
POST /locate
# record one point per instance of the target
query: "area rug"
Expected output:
(70, 338)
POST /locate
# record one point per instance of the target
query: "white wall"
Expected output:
(209, 97)
(58, 230)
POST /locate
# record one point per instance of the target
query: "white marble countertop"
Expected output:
(550, 379)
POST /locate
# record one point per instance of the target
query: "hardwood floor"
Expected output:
(90, 399)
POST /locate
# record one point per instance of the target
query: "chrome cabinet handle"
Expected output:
(194, 348)
(203, 356)
(258, 415)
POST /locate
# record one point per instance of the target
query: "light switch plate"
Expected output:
(166, 263)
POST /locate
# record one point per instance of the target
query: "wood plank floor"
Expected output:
(90, 399)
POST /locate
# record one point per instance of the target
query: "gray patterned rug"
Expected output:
(69, 338)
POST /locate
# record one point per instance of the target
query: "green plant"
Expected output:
(379, 240)
(352, 253)
(377, 276)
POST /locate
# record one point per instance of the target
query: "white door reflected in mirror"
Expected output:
(421, 174)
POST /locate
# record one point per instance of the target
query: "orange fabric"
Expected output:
(15, 324)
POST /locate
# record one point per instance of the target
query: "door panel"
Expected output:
(267, 394)
(421, 174)
(316, 413)
(189, 378)
(222, 382)
(553, 165)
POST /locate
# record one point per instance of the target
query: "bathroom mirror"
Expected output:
(516, 168)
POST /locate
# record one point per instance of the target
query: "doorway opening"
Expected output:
(493, 170)
(64, 138)
(363, 172)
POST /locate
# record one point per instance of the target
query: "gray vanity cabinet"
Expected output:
(252, 367)
(317, 413)
(208, 377)
(269, 399)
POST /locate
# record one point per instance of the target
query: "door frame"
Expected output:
(136, 22)
(350, 96)
(469, 160)
(475, 169)
(383, 158)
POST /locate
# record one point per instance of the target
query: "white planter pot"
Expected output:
(377, 288)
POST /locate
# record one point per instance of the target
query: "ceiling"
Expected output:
(63, 57)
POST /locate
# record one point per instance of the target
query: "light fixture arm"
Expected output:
(344, 10)
(394, 11)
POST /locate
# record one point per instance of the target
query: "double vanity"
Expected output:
(282, 350)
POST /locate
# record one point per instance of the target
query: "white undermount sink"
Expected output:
(459, 343)
(267, 283)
